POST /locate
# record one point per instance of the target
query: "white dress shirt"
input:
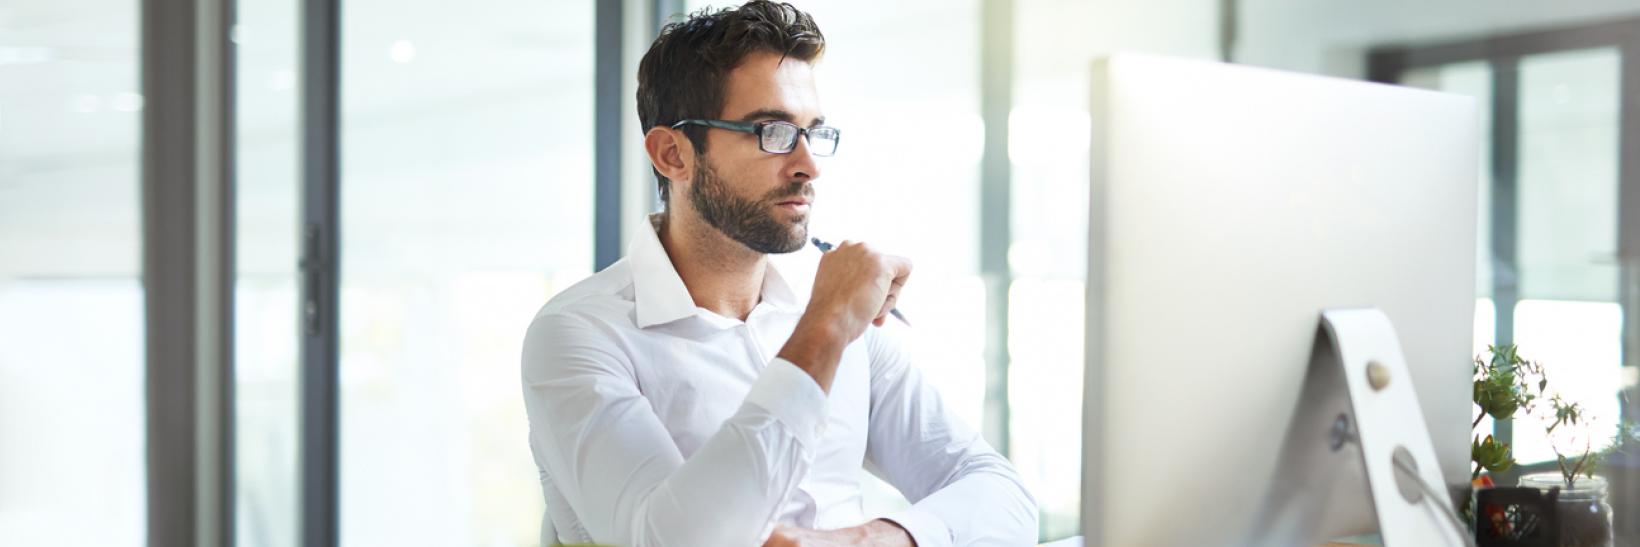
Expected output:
(656, 422)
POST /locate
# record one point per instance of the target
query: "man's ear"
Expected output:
(670, 152)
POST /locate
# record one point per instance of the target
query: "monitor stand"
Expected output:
(1356, 416)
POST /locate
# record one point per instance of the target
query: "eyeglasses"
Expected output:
(776, 137)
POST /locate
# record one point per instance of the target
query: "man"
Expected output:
(684, 397)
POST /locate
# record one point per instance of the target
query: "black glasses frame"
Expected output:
(757, 128)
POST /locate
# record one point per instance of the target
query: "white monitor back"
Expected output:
(1229, 206)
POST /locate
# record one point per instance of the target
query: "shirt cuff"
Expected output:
(926, 529)
(792, 397)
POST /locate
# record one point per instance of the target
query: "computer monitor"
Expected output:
(1230, 205)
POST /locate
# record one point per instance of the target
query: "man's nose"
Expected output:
(800, 162)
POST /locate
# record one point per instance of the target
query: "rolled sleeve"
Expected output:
(792, 397)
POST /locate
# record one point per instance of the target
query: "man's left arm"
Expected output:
(962, 491)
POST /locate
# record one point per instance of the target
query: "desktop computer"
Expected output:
(1231, 207)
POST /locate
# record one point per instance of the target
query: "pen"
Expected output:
(826, 247)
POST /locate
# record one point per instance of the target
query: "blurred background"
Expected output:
(490, 156)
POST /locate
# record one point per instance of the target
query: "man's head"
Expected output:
(749, 64)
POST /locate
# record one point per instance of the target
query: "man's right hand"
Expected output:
(854, 287)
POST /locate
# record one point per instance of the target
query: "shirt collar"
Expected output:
(660, 295)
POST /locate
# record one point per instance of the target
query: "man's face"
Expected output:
(757, 198)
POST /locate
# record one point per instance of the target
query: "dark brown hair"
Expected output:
(684, 73)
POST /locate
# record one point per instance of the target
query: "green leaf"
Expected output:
(1491, 455)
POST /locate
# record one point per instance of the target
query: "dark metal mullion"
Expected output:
(610, 23)
(187, 270)
(1505, 212)
(169, 272)
(996, 215)
(321, 272)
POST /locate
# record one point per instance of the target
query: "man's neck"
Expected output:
(721, 274)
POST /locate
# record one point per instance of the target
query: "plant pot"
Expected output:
(1583, 511)
(1513, 516)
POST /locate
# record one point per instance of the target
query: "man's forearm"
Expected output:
(816, 347)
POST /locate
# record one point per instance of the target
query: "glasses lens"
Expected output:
(779, 137)
(823, 141)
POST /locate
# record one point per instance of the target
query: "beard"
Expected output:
(749, 221)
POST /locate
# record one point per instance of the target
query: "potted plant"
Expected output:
(1571, 504)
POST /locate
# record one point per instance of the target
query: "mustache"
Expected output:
(795, 189)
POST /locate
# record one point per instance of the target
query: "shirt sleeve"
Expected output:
(601, 443)
(962, 491)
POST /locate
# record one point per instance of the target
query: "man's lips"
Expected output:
(798, 201)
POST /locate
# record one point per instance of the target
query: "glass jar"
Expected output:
(1584, 512)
